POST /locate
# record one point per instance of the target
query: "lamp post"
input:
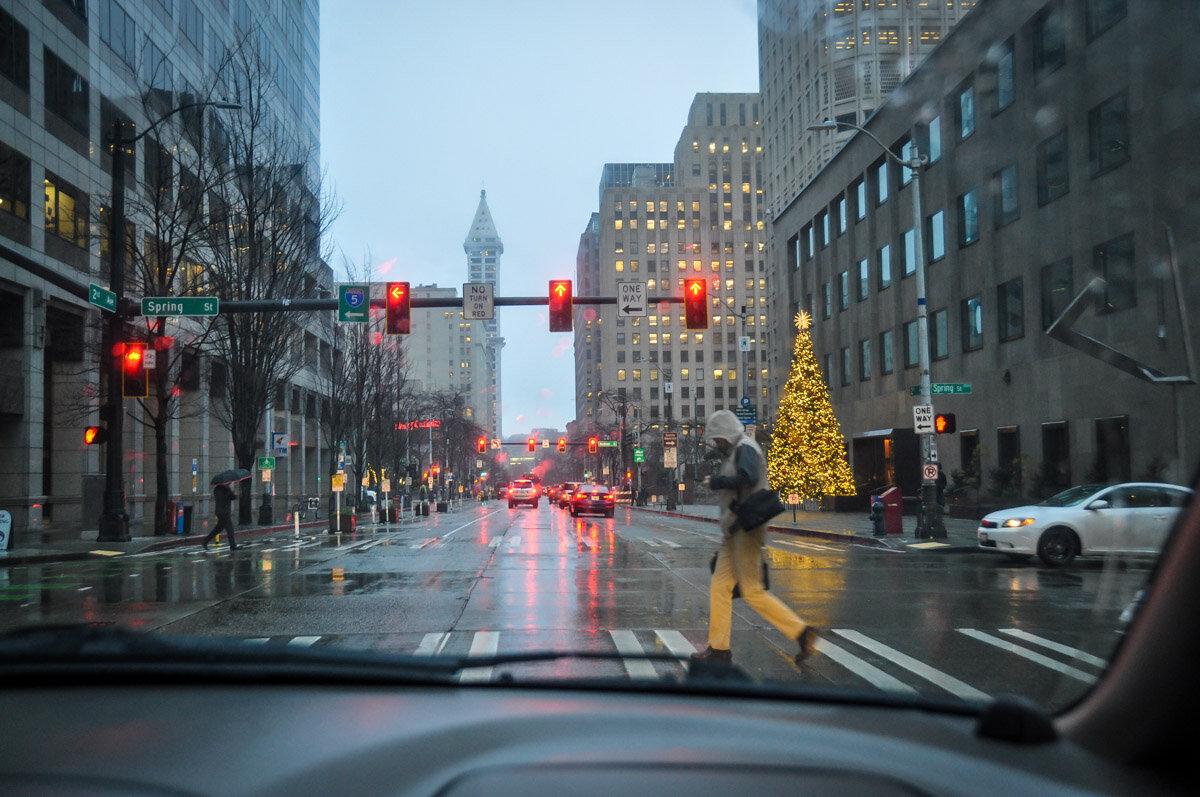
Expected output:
(114, 519)
(932, 525)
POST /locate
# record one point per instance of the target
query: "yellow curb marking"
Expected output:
(926, 545)
(107, 553)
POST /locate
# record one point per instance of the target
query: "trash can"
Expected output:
(893, 510)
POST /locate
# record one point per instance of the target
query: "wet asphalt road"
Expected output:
(488, 579)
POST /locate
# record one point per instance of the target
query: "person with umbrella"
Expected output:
(223, 498)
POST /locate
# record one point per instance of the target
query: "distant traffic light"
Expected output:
(134, 382)
(437, 470)
(532, 443)
(94, 435)
(560, 305)
(562, 445)
(945, 423)
(482, 445)
(399, 319)
(695, 303)
(593, 445)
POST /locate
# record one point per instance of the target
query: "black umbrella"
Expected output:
(230, 476)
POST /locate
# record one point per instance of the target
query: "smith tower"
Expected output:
(483, 248)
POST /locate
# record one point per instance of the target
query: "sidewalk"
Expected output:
(848, 526)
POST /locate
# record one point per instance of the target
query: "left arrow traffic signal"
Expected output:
(399, 318)
(560, 306)
(134, 383)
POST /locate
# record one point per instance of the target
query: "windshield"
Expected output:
(809, 296)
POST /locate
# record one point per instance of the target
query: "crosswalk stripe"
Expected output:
(1086, 658)
(262, 640)
(485, 643)
(431, 644)
(627, 644)
(668, 543)
(651, 542)
(676, 643)
(303, 641)
(1033, 656)
(918, 668)
(865, 670)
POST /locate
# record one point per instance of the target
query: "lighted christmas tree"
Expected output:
(807, 455)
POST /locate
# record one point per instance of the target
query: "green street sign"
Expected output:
(639, 455)
(608, 443)
(181, 305)
(354, 303)
(266, 463)
(102, 298)
(944, 389)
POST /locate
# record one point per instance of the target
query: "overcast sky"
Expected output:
(425, 103)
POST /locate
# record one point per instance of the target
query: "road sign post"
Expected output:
(478, 301)
(181, 305)
(102, 298)
(923, 419)
(944, 389)
(353, 303)
(631, 299)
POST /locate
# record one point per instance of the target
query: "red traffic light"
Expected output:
(560, 305)
(532, 443)
(399, 316)
(562, 445)
(94, 435)
(482, 445)
(134, 383)
(945, 423)
(593, 445)
(695, 303)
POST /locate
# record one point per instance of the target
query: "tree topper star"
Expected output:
(803, 320)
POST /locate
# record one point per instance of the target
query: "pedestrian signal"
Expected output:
(94, 435)
(695, 303)
(399, 318)
(134, 383)
(945, 423)
(560, 305)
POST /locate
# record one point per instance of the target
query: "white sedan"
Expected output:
(1130, 518)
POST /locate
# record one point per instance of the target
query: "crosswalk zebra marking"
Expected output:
(1026, 653)
(863, 669)
(627, 645)
(303, 641)
(1086, 658)
(432, 644)
(918, 668)
(485, 643)
(676, 643)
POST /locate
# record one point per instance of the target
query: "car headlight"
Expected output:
(1014, 522)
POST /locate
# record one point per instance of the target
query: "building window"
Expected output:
(14, 51)
(844, 290)
(886, 364)
(910, 252)
(968, 218)
(885, 266)
(1058, 289)
(1101, 15)
(864, 359)
(620, 374)
(827, 370)
(906, 154)
(1108, 134)
(1049, 41)
(192, 23)
(1006, 201)
(14, 183)
(881, 182)
(935, 232)
(966, 112)
(810, 247)
(1113, 260)
(828, 296)
(972, 323)
(847, 365)
(934, 146)
(860, 200)
(66, 211)
(1010, 309)
(939, 335)
(825, 229)
(1052, 175)
(66, 92)
(910, 344)
(864, 278)
(1005, 76)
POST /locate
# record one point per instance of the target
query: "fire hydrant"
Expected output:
(876, 516)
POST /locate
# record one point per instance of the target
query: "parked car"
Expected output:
(596, 499)
(1129, 518)
(523, 491)
(564, 494)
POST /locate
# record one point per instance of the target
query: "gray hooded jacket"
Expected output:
(743, 472)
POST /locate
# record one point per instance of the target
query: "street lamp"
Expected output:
(933, 526)
(114, 520)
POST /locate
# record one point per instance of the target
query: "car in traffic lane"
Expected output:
(565, 492)
(596, 499)
(523, 491)
(1085, 520)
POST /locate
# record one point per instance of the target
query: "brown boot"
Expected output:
(807, 642)
(712, 654)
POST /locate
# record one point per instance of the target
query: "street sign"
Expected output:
(793, 498)
(930, 472)
(639, 456)
(353, 304)
(944, 389)
(337, 482)
(631, 299)
(149, 359)
(608, 443)
(670, 439)
(923, 419)
(668, 387)
(181, 305)
(670, 457)
(478, 301)
(195, 465)
(746, 414)
(546, 443)
(495, 443)
(266, 463)
(744, 343)
(745, 401)
(385, 486)
(102, 298)
(266, 476)
(279, 443)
